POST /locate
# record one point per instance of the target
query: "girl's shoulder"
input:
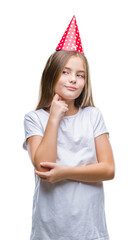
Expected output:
(94, 113)
(34, 114)
(91, 110)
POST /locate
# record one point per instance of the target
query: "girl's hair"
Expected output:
(51, 73)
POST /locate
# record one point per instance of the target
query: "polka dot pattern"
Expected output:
(71, 41)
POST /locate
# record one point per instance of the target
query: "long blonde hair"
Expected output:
(53, 68)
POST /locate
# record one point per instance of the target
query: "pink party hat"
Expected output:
(71, 39)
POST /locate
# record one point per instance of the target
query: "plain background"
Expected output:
(30, 31)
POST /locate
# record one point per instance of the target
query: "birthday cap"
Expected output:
(71, 39)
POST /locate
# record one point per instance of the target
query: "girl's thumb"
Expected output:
(57, 97)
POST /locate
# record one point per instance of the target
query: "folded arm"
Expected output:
(103, 170)
(44, 149)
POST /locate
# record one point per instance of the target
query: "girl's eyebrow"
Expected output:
(77, 71)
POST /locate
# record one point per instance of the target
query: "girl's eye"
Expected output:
(64, 72)
(81, 76)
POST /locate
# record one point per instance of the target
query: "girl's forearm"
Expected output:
(47, 150)
(90, 173)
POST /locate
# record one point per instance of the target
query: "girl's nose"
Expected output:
(73, 77)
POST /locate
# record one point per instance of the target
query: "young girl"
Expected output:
(68, 143)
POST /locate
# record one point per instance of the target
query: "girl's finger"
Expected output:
(48, 164)
(41, 174)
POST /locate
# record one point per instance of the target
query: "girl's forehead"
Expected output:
(75, 62)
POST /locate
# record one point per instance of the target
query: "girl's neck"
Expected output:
(72, 111)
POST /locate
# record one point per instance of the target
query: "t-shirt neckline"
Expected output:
(71, 116)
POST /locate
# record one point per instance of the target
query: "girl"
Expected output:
(68, 143)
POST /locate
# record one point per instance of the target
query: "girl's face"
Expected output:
(73, 75)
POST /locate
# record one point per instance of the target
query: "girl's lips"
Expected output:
(71, 88)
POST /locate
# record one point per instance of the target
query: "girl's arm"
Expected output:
(103, 170)
(42, 149)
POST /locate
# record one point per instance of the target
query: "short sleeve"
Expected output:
(99, 126)
(32, 126)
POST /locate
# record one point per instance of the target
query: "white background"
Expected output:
(30, 31)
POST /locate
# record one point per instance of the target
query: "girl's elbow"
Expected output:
(36, 163)
(111, 173)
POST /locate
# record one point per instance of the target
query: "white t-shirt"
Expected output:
(69, 210)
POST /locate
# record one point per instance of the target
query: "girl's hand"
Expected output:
(58, 107)
(55, 174)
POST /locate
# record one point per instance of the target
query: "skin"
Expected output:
(73, 75)
(63, 105)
